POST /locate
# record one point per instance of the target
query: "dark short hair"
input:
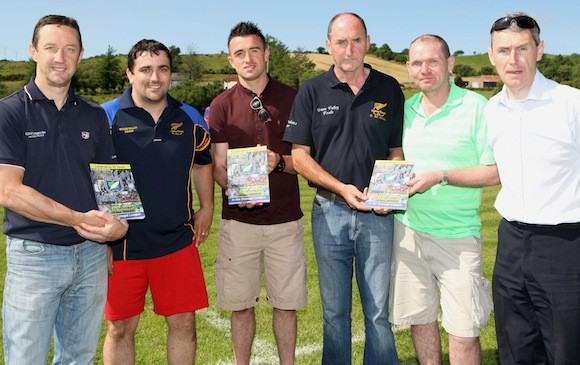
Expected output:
(57, 20)
(437, 39)
(334, 18)
(244, 29)
(149, 46)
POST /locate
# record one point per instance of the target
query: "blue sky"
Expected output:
(205, 25)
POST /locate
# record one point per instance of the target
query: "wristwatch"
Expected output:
(445, 179)
(281, 164)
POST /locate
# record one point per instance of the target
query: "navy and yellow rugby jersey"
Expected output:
(162, 156)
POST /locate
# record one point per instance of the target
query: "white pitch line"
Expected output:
(263, 352)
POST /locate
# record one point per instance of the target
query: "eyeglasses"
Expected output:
(263, 115)
(522, 21)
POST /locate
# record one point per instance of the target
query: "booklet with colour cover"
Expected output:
(115, 190)
(248, 175)
(388, 186)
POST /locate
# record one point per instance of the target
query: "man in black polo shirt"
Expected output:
(341, 122)
(56, 275)
(167, 144)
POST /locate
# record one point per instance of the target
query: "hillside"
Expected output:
(397, 70)
(476, 61)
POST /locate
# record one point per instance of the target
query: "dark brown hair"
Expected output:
(57, 20)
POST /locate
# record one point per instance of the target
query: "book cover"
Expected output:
(115, 190)
(388, 186)
(248, 175)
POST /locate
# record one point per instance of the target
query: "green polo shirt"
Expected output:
(455, 136)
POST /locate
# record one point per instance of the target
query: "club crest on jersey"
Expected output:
(85, 135)
(175, 129)
(377, 111)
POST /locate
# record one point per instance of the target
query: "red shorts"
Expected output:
(176, 282)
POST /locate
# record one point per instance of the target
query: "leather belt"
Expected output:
(575, 225)
(330, 195)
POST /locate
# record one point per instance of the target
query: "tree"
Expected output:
(86, 79)
(198, 96)
(575, 82)
(487, 70)
(464, 70)
(321, 50)
(458, 53)
(286, 68)
(110, 74)
(400, 58)
(175, 54)
(385, 52)
(191, 67)
(558, 68)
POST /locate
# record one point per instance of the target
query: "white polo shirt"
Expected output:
(536, 145)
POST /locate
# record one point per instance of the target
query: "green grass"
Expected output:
(476, 61)
(214, 62)
(214, 344)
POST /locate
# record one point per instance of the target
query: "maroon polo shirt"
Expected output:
(232, 120)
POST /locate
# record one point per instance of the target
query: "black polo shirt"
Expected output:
(162, 156)
(347, 132)
(54, 147)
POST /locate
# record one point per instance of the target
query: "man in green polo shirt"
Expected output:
(437, 241)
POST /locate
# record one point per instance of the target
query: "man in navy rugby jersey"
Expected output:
(167, 144)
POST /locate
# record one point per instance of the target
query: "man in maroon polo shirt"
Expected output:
(255, 112)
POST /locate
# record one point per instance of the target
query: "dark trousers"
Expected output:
(536, 294)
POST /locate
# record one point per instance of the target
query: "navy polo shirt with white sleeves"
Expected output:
(54, 147)
(345, 132)
(162, 156)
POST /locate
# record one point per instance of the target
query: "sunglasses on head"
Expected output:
(263, 115)
(522, 21)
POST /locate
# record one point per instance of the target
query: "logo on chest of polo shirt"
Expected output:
(175, 129)
(35, 134)
(128, 130)
(85, 134)
(328, 110)
(377, 111)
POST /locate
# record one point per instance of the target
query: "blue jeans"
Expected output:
(51, 288)
(343, 237)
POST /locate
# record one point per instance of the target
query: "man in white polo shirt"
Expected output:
(534, 131)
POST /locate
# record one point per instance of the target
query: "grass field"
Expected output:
(213, 325)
